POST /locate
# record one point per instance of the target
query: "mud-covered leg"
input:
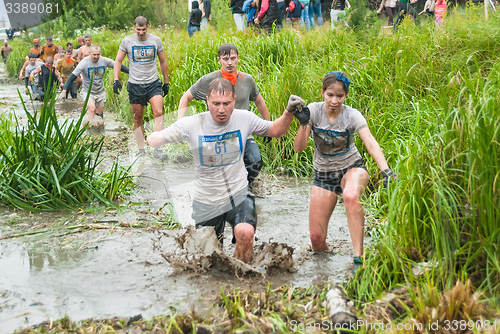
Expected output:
(253, 160)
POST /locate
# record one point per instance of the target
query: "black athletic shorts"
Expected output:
(331, 180)
(142, 93)
(243, 213)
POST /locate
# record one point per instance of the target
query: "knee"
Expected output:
(350, 199)
(138, 117)
(244, 234)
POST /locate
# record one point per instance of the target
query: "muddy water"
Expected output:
(121, 272)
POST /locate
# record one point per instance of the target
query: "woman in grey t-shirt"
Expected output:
(339, 167)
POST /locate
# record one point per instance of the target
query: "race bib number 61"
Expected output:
(143, 53)
(223, 150)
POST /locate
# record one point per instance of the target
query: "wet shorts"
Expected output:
(98, 99)
(243, 213)
(142, 93)
(331, 180)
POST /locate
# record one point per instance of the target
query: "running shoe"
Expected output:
(358, 262)
(141, 152)
(160, 155)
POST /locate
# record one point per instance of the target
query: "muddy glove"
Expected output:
(388, 177)
(165, 88)
(117, 87)
(266, 140)
(297, 106)
(174, 136)
(61, 96)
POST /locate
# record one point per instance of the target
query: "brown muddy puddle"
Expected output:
(115, 270)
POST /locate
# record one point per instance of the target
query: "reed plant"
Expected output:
(47, 164)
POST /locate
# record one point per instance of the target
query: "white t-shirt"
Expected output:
(30, 68)
(86, 67)
(334, 147)
(142, 58)
(218, 152)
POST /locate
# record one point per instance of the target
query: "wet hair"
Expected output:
(87, 36)
(225, 49)
(31, 55)
(95, 47)
(69, 49)
(68, 44)
(140, 21)
(221, 86)
(49, 58)
(60, 48)
(331, 78)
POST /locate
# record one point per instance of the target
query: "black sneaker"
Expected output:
(160, 155)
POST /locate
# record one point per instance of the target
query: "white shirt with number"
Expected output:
(218, 152)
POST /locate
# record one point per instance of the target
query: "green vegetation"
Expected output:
(47, 165)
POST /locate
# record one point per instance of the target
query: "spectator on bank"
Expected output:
(206, 9)
(429, 8)
(268, 15)
(315, 10)
(250, 8)
(294, 10)
(390, 9)
(281, 9)
(194, 19)
(238, 14)
(404, 8)
(304, 15)
(10, 33)
(338, 8)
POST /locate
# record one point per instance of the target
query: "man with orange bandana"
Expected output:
(245, 90)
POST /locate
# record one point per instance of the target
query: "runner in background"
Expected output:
(144, 85)
(49, 49)
(66, 67)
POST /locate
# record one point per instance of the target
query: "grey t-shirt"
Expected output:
(218, 153)
(142, 57)
(30, 68)
(86, 67)
(334, 147)
(245, 89)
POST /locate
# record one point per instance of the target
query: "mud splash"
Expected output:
(200, 251)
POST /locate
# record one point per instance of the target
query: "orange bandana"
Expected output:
(68, 60)
(231, 77)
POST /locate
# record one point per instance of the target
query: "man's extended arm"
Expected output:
(280, 126)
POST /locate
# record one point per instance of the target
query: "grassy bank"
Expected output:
(431, 99)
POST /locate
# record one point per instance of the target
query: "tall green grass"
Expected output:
(45, 165)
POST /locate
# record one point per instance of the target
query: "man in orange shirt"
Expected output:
(49, 49)
(66, 66)
(36, 49)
